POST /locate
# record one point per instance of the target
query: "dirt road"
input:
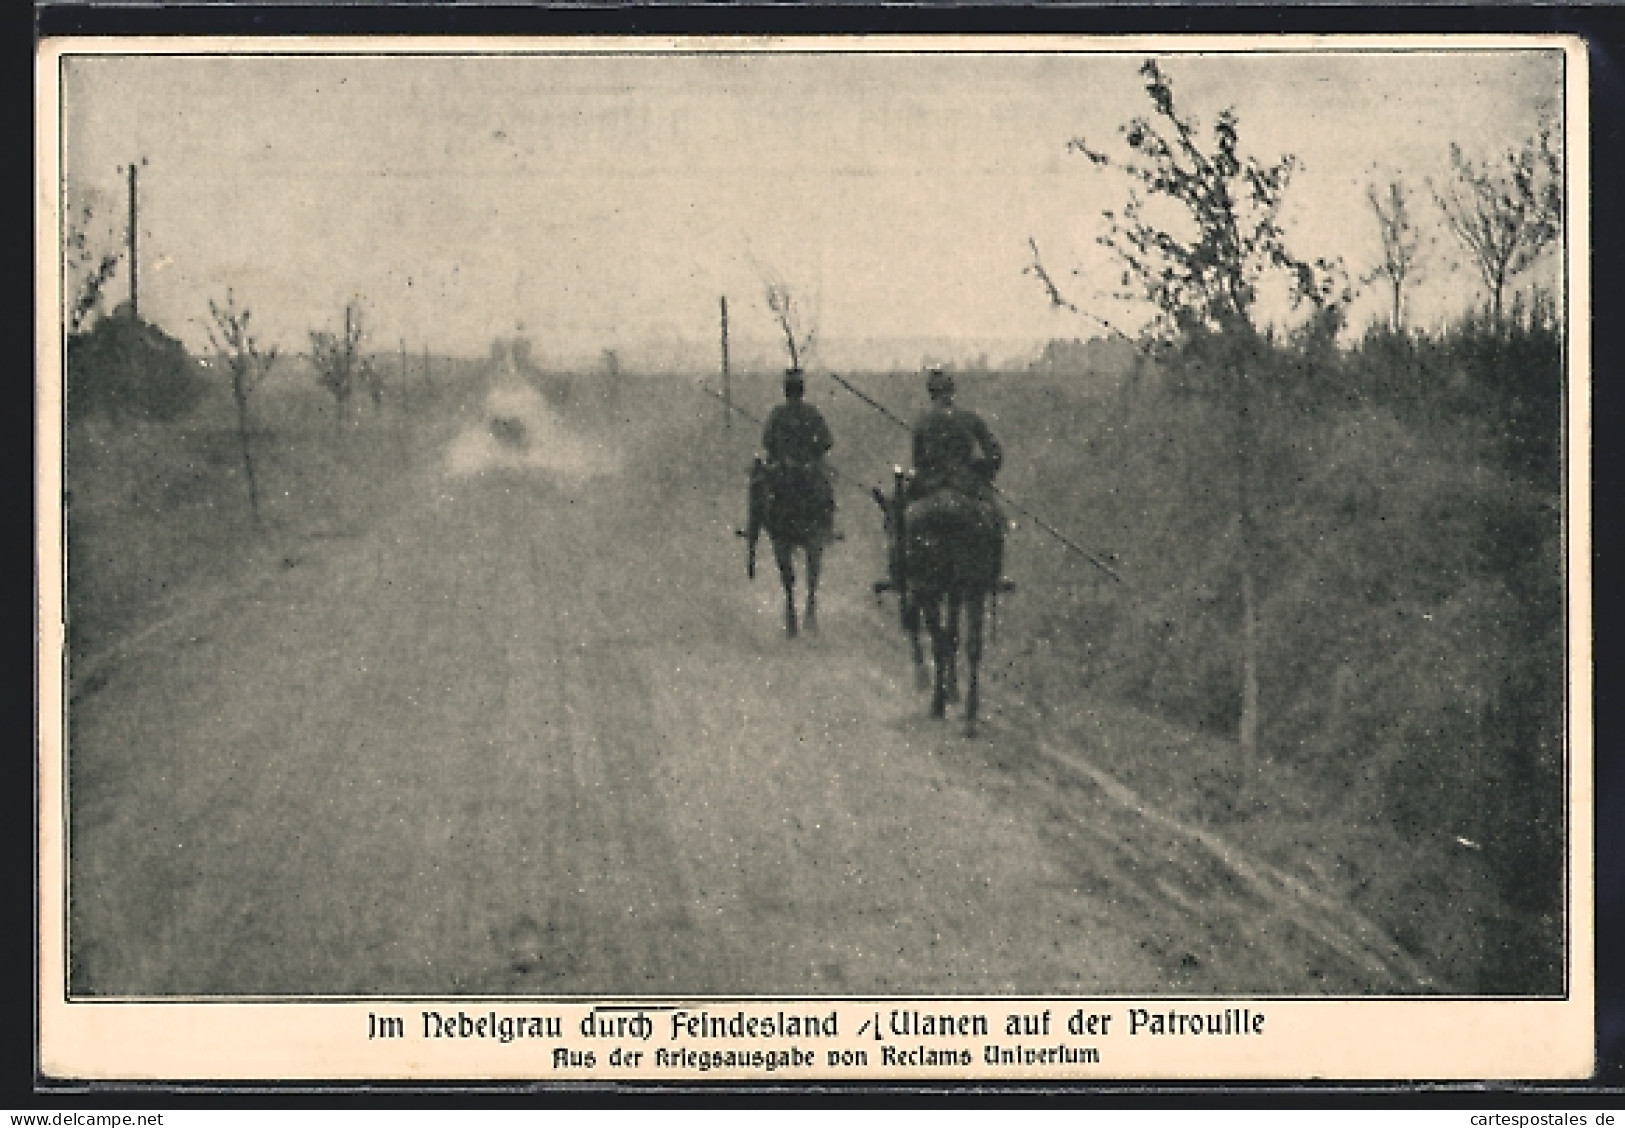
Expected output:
(537, 734)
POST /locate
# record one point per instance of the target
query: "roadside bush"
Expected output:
(125, 367)
(1506, 377)
(1410, 576)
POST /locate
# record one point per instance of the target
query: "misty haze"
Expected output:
(408, 441)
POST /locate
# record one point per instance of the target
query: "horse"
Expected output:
(945, 552)
(793, 504)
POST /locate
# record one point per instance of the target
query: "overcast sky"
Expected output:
(607, 201)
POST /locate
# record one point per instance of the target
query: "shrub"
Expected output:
(1409, 560)
(124, 366)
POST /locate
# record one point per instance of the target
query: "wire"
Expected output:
(835, 471)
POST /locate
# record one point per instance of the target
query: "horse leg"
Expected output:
(911, 623)
(815, 557)
(952, 647)
(975, 606)
(939, 655)
(787, 574)
(755, 516)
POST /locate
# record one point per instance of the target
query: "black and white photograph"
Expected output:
(692, 525)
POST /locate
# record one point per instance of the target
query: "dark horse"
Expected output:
(792, 503)
(945, 552)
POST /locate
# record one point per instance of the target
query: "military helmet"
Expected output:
(794, 378)
(938, 382)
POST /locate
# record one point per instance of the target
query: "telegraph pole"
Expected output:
(349, 363)
(403, 419)
(727, 392)
(134, 273)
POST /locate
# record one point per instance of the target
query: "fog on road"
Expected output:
(536, 733)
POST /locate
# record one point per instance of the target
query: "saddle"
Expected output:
(790, 494)
(796, 486)
(955, 535)
(972, 484)
(938, 534)
(950, 506)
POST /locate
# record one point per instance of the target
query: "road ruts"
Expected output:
(537, 735)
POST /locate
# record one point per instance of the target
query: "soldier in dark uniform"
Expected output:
(953, 447)
(797, 437)
(954, 450)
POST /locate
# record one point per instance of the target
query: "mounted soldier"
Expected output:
(953, 447)
(792, 495)
(945, 533)
(795, 441)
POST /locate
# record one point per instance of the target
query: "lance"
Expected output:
(835, 471)
(1014, 504)
(728, 403)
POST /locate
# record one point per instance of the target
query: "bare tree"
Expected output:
(87, 265)
(1203, 280)
(798, 337)
(372, 379)
(1505, 212)
(235, 344)
(1401, 244)
(338, 360)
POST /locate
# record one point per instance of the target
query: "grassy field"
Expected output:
(158, 515)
